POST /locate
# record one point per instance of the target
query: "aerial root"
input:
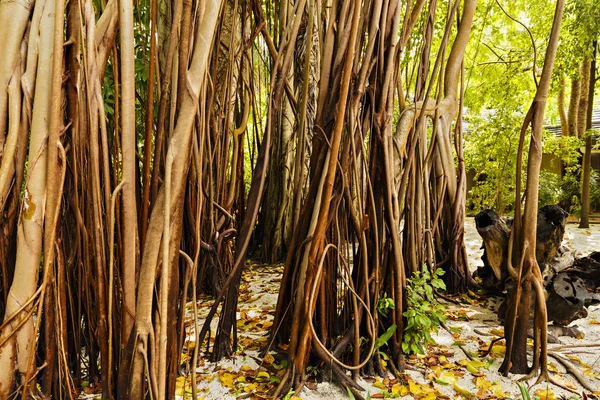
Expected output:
(292, 380)
(561, 385)
(543, 376)
(573, 370)
(285, 385)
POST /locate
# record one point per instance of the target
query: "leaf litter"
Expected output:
(460, 366)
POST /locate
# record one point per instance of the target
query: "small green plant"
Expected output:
(312, 370)
(382, 341)
(423, 313)
(385, 304)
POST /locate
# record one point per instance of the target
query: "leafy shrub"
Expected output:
(424, 313)
(550, 190)
(569, 194)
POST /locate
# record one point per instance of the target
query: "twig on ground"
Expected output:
(489, 350)
(574, 346)
(446, 298)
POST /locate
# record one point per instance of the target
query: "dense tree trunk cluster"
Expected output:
(146, 149)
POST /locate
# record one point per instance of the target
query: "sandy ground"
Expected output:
(446, 371)
(452, 369)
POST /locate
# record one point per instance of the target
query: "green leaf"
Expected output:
(350, 395)
(524, 393)
(382, 340)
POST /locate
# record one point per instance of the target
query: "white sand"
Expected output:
(482, 318)
(259, 297)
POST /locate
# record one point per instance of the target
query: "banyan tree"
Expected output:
(148, 149)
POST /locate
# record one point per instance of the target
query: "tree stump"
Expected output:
(570, 282)
(550, 231)
(566, 300)
(495, 232)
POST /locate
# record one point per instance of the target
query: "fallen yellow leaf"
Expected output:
(379, 385)
(400, 390)
(269, 359)
(447, 378)
(498, 349)
(227, 379)
(545, 394)
(462, 391)
(482, 383)
(497, 391)
(263, 375)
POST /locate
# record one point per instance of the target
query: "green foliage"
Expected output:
(385, 304)
(424, 314)
(570, 192)
(549, 189)
(553, 188)
(350, 395)
(490, 152)
(383, 339)
(566, 149)
(581, 26)
(312, 370)
(566, 190)
(500, 88)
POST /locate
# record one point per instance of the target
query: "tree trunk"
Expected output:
(574, 105)
(587, 155)
(129, 141)
(564, 121)
(141, 344)
(15, 354)
(527, 275)
(583, 98)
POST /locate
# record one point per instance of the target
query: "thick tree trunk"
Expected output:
(167, 210)
(15, 354)
(574, 105)
(583, 98)
(527, 275)
(564, 121)
(587, 155)
(129, 148)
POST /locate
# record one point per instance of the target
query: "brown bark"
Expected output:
(587, 155)
(583, 98)
(564, 121)
(149, 130)
(141, 346)
(128, 140)
(301, 335)
(527, 273)
(19, 344)
(574, 105)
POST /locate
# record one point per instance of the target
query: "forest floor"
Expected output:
(452, 369)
